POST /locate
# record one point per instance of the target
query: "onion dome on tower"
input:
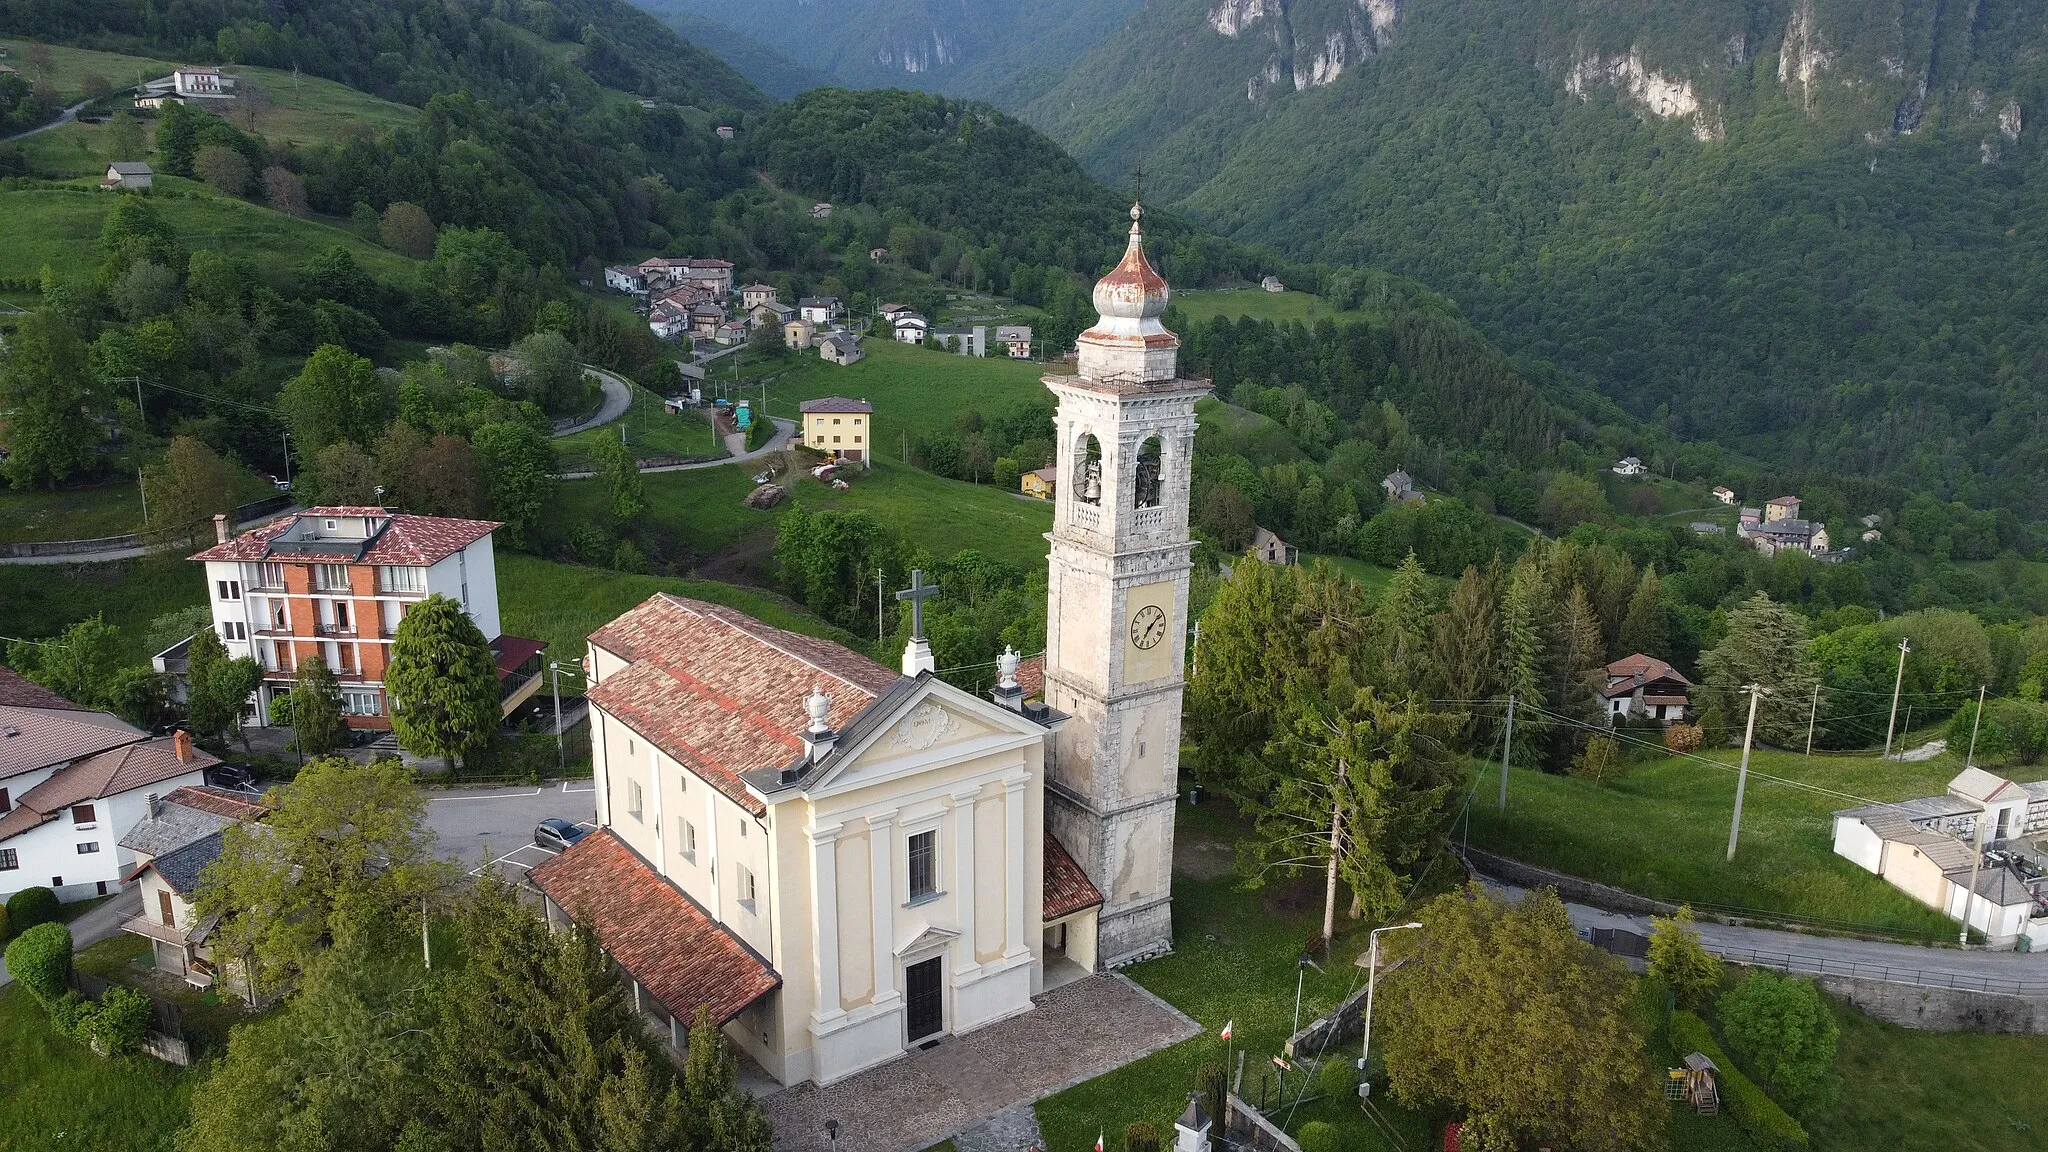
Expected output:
(1128, 342)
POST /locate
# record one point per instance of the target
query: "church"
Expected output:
(842, 862)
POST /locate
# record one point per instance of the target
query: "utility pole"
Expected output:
(880, 601)
(1195, 653)
(1976, 858)
(1756, 692)
(1812, 711)
(561, 753)
(1970, 758)
(1507, 745)
(142, 486)
(1898, 682)
(287, 438)
(426, 942)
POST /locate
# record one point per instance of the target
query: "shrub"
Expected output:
(1781, 1026)
(117, 1024)
(1679, 959)
(1683, 738)
(1214, 1085)
(1318, 1136)
(2012, 732)
(1337, 1078)
(1141, 1137)
(40, 959)
(3, 924)
(32, 906)
(1600, 762)
(1768, 1126)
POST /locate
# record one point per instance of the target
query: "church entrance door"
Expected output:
(926, 999)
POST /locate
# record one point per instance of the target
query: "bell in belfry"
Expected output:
(1091, 487)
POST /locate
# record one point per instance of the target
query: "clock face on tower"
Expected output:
(1148, 627)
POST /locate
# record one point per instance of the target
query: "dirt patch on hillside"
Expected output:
(749, 561)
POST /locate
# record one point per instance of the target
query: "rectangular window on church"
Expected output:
(634, 804)
(924, 867)
(747, 893)
(688, 832)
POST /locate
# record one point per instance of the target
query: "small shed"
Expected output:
(1269, 547)
(127, 175)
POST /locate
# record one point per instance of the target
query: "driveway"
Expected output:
(618, 397)
(735, 443)
(480, 828)
(96, 925)
(1077, 1032)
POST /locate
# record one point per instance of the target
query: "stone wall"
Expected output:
(1569, 888)
(1941, 1009)
(1343, 1023)
(1244, 1128)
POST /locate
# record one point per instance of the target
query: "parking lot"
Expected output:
(481, 828)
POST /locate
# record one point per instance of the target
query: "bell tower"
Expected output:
(1116, 628)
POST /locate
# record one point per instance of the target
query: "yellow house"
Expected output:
(1038, 483)
(838, 426)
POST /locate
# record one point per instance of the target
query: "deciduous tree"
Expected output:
(1566, 1066)
(218, 687)
(1766, 644)
(78, 664)
(517, 467)
(407, 230)
(619, 474)
(285, 190)
(316, 710)
(342, 473)
(442, 682)
(189, 484)
(337, 396)
(223, 169)
(1782, 1028)
(47, 396)
(1679, 959)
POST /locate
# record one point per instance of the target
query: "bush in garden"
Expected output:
(32, 906)
(1683, 738)
(1317, 1136)
(1141, 1137)
(1337, 1078)
(40, 959)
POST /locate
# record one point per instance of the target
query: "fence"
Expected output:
(165, 1039)
(1918, 977)
(148, 540)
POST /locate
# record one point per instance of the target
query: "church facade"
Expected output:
(842, 862)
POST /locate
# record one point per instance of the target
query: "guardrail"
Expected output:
(147, 540)
(1918, 977)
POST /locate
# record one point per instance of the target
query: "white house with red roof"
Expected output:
(333, 583)
(842, 862)
(71, 781)
(1646, 687)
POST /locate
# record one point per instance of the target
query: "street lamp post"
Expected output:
(561, 753)
(1372, 974)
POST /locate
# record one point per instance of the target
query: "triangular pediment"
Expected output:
(922, 936)
(925, 730)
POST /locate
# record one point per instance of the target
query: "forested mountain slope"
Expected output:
(1811, 229)
(1006, 50)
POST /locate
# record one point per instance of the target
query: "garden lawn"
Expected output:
(1958, 1091)
(113, 508)
(69, 66)
(1662, 831)
(126, 958)
(1256, 303)
(702, 509)
(59, 1095)
(563, 604)
(60, 227)
(915, 391)
(39, 600)
(651, 431)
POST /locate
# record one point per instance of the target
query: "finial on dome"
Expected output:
(1136, 211)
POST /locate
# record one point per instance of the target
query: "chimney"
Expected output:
(1007, 692)
(819, 737)
(156, 807)
(220, 527)
(181, 744)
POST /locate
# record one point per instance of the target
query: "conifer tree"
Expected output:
(1576, 653)
(1645, 628)
(316, 710)
(1465, 643)
(443, 682)
(1524, 653)
(1766, 644)
(1402, 621)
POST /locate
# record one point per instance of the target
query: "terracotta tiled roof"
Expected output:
(835, 404)
(113, 772)
(655, 932)
(1031, 677)
(1627, 674)
(408, 539)
(722, 693)
(1067, 888)
(219, 802)
(32, 738)
(513, 651)
(19, 691)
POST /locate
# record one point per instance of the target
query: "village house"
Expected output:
(841, 348)
(754, 295)
(838, 426)
(841, 863)
(732, 332)
(797, 333)
(1400, 488)
(771, 314)
(1871, 533)
(70, 779)
(625, 278)
(1015, 339)
(1272, 284)
(821, 210)
(174, 840)
(1041, 483)
(668, 321)
(202, 83)
(965, 341)
(333, 583)
(1629, 466)
(1725, 495)
(890, 311)
(1645, 687)
(127, 175)
(1781, 508)
(686, 295)
(820, 310)
(878, 254)
(1771, 536)
(726, 132)
(705, 320)
(1954, 852)
(910, 327)
(1269, 547)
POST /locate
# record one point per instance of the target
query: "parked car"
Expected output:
(235, 776)
(557, 834)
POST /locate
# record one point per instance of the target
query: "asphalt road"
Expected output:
(493, 827)
(617, 398)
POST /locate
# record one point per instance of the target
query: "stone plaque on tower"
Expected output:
(1116, 627)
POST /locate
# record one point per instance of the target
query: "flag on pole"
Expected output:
(1225, 1034)
(1098, 1140)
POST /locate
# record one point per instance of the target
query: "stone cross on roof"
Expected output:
(917, 594)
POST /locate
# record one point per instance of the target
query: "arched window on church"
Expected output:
(1088, 471)
(1145, 493)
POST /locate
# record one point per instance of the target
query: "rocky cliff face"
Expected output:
(1312, 42)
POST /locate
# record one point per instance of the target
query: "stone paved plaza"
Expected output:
(1077, 1032)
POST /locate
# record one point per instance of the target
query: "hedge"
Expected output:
(1318, 1136)
(32, 906)
(1767, 1125)
(40, 959)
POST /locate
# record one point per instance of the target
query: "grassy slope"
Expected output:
(1663, 831)
(1951, 1090)
(59, 1095)
(1257, 304)
(113, 508)
(651, 431)
(564, 603)
(40, 600)
(914, 390)
(60, 227)
(69, 66)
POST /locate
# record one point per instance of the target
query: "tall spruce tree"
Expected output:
(443, 682)
(1766, 644)
(1402, 623)
(1645, 628)
(1465, 650)
(1576, 657)
(1524, 653)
